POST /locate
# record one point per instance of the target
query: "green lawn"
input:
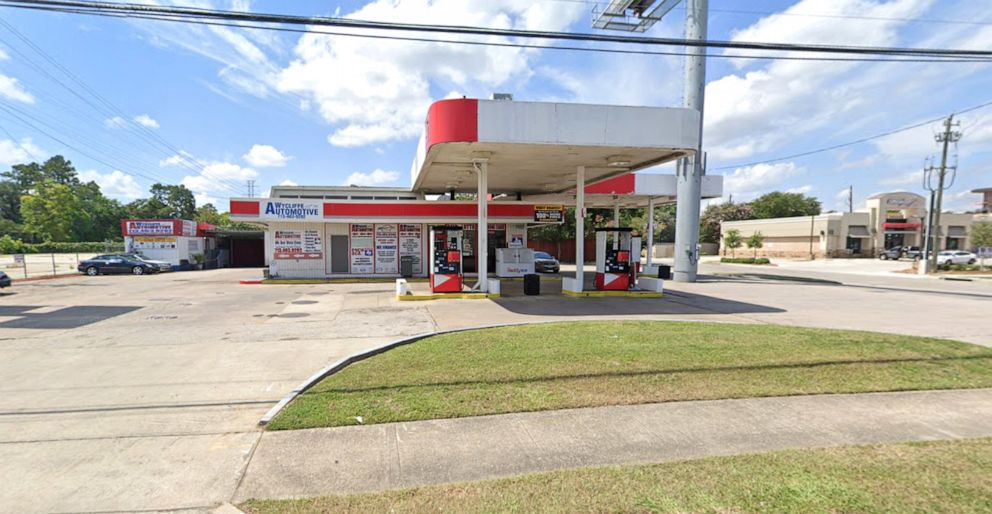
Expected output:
(946, 476)
(592, 363)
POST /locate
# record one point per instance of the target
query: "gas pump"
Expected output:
(446, 259)
(618, 254)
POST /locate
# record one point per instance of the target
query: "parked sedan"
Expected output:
(4, 280)
(162, 265)
(107, 264)
(546, 263)
(955, 257)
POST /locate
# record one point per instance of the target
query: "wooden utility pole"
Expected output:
(946, 137)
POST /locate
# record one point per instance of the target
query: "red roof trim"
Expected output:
(622, 185)
(245, 207)
(901, 225)
(422, 210)
(452, 121)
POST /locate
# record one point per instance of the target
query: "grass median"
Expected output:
(595, 363)
(946, 476)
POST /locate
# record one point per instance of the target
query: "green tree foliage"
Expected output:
(755, 242)
(207, 213)
(716, 214)
(981, 236)
(50, 210)
(783, 205)
(732, 239)
(179, 200)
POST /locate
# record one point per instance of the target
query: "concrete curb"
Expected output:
(360, 356)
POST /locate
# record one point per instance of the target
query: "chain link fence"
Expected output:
(38, 265)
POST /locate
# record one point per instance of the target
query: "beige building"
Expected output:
(888, 220)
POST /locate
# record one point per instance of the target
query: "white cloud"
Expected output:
(11, 89)
(755, 111)
(752, 181)
(14, 152)
(203, 199)
(386, 89)
(115, 184)
(177, 160)
(115, 122)
(909, 178)
(265, 156)
(218, 177)
(375, 178)
(288, 182)
(146, 121)
(801, 189)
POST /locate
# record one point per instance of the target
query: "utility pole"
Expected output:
(251, 189)
(946, 137)
(850, 199)
(689, 177)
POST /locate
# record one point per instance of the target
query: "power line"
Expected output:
(850, 143)
(186, 12)
(147, 136)
(530, 46)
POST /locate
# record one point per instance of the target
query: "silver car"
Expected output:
(955, 257)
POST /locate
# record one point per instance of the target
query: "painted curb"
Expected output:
(360, 356)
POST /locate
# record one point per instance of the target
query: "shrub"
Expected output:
(9, 245)
(745, 260)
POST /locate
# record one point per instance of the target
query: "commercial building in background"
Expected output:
(888, 220)
(169, 240)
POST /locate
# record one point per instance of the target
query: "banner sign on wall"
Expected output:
(386, 260)
(292, 210)
(154, 243)
(189, 228)
(549, 213)
(411, 245)
(297, 244)
(149, 228)
(362, 249)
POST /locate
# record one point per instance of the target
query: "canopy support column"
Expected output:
(482, 246)
(580, 225)
(650, 230)
(616, 220)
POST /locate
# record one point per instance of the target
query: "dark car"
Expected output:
(4, 280)
(546, 263)
(901, 252)
(107, 264)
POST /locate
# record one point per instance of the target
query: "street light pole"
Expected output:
(689, 176)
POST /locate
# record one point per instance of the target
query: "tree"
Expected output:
(732, 240)
(755, 242)
(713, 217)
(49, 212)
(981, 237)
(147, 208)
(207, 213)
(181, 203)
(783, 205)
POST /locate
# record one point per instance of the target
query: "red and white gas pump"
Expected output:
(618, 255)
(446, 259)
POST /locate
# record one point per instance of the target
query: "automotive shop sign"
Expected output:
(149, 228)
(292, 210)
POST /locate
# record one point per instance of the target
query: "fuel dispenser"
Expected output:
(618, 254)
(446, 259)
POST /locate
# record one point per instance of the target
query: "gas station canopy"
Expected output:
(536, 147)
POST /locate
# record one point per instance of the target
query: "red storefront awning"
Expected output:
(900, 225)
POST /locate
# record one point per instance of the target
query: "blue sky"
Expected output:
(244, 104)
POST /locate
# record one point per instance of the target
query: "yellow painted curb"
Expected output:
(447, 296)
(291, 281)
(602, 294)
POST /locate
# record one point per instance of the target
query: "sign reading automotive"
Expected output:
(411, 245)
(549, 213)
(292, 210)
(385, 249)
(150, 228)
(297, 244)
(362, 247)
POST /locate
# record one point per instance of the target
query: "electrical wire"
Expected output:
(849, 143)
(535, 46)
(199, 13)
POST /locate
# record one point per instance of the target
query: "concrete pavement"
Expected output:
(126, 393)
(397, 455)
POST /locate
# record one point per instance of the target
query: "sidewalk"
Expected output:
(397, 455)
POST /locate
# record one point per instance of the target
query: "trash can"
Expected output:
(532, 284)
(664, 271)
(406, 266)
